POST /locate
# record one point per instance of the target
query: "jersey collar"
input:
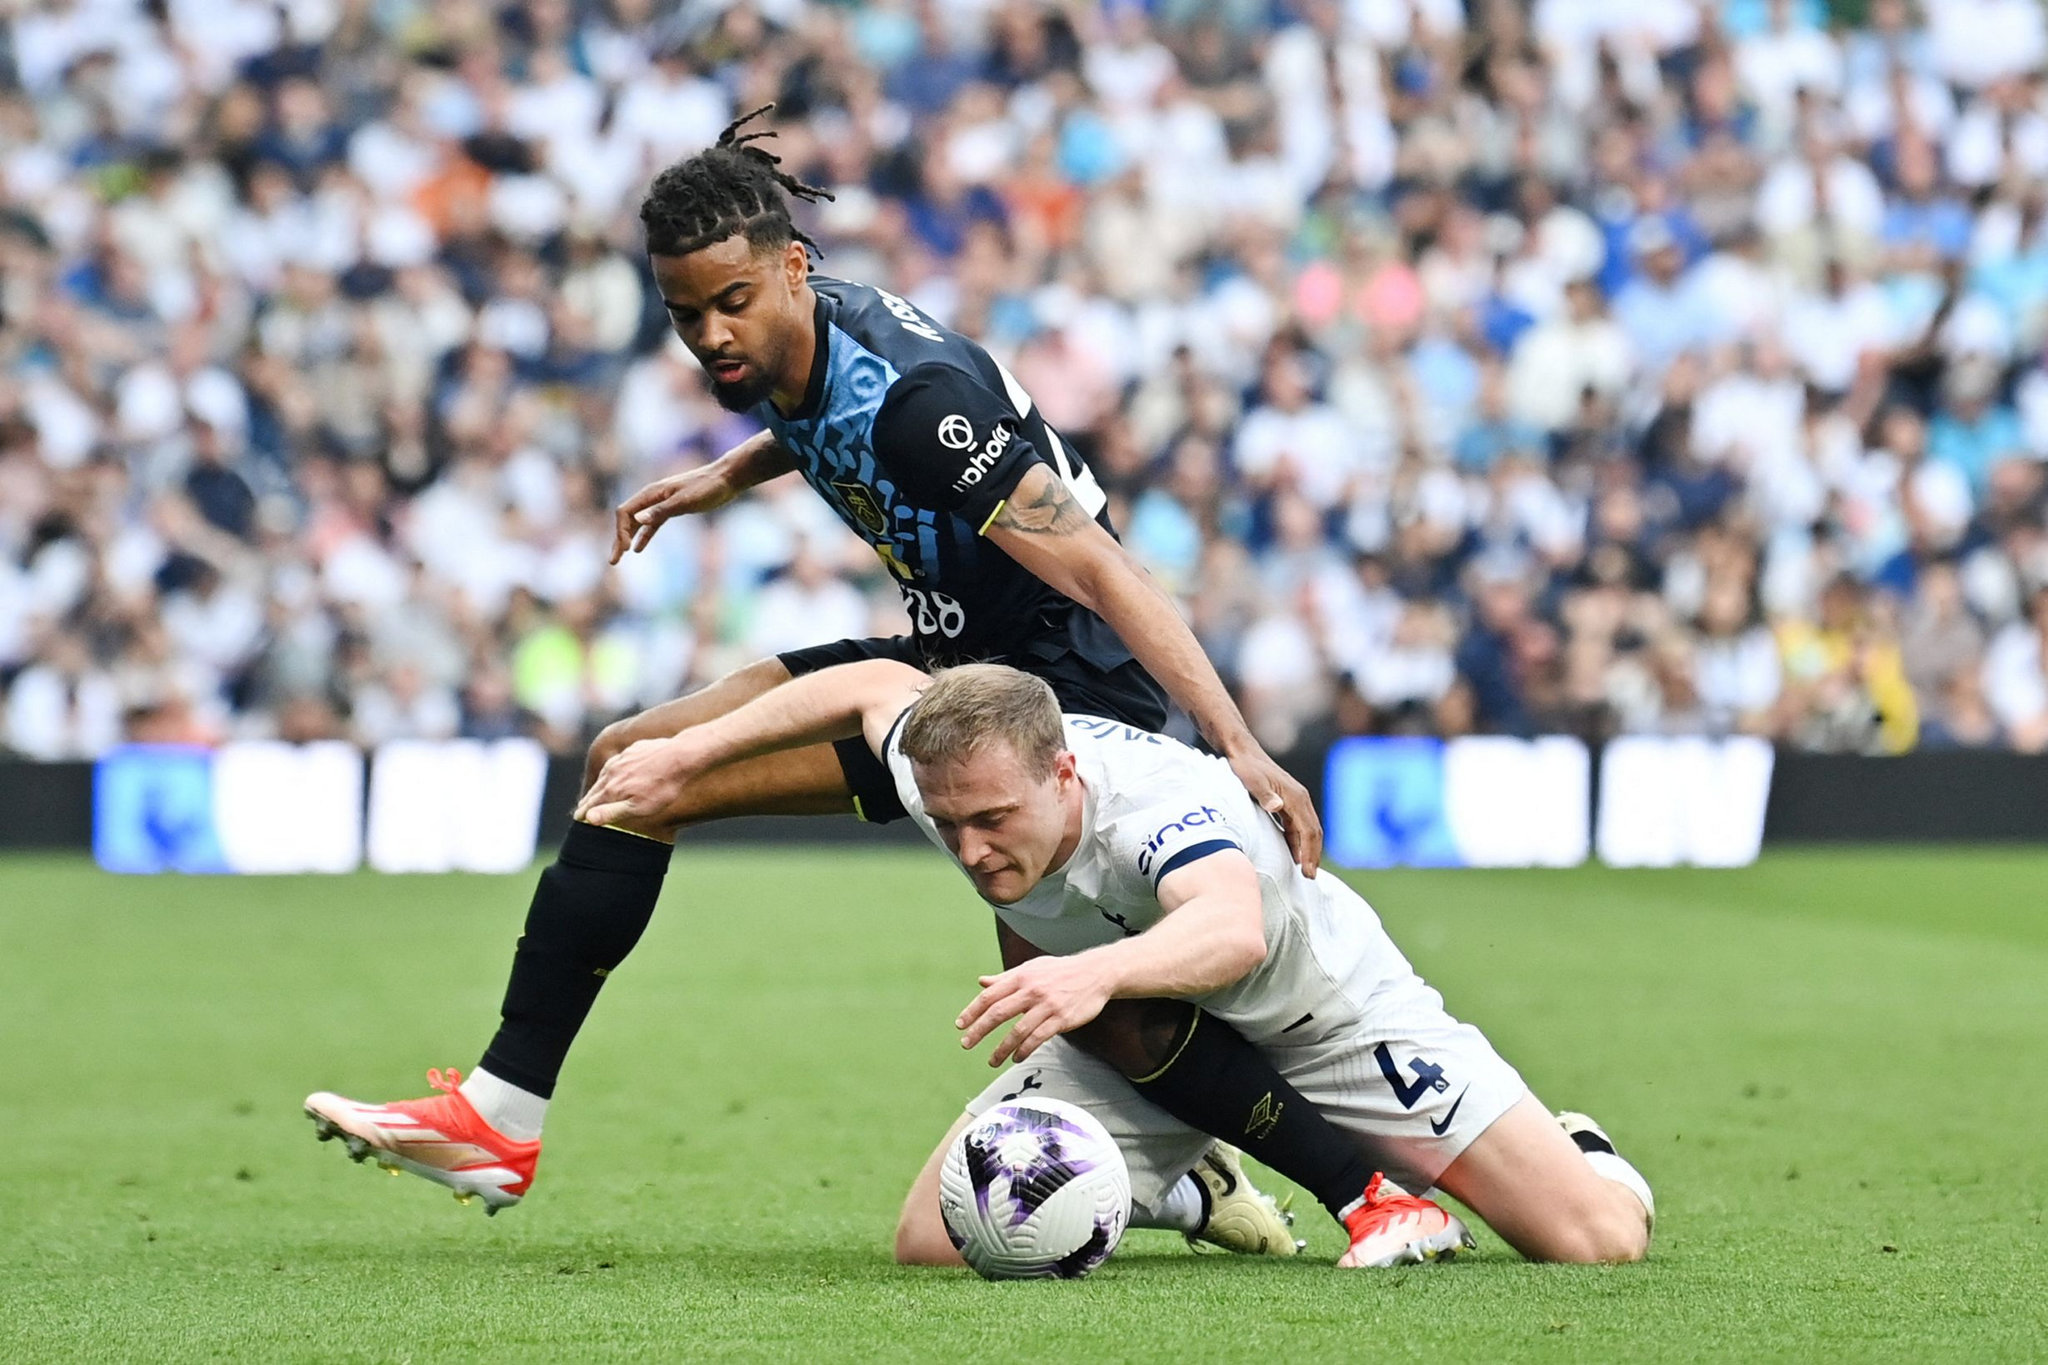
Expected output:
(1057, 876)
(821, 363)
(1087, 782)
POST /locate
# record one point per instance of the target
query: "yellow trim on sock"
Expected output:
(1141, 1080)
(858, 813)
(992, 517)
(638, 835)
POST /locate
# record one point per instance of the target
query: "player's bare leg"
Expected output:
(1546, 1196)
(920, 1229)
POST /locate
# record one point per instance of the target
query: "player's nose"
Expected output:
(975, 852)
(712, 337)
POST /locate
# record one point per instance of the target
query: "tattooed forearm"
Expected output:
(1041, 505)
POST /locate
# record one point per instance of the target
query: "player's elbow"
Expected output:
(1093, 568)
(875, 678)
(878, 688)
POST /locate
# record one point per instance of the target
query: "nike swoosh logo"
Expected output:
(1440, 1128)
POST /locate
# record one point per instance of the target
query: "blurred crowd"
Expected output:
(1590, 366)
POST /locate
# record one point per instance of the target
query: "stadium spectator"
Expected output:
(1736, 671)
(2016, 677)
(1667, 366)
(1845, 684)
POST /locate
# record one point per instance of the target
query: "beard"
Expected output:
(743, 395)
(750, 391)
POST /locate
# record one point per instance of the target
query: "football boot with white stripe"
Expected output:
(1389, 1227)
(441, 1138)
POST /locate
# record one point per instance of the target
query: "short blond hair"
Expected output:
(967, 707)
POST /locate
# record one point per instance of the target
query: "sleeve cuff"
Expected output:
(1191, 853)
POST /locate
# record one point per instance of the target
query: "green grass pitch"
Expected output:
(1833, 1067)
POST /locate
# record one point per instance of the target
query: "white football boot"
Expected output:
(1242, 1218)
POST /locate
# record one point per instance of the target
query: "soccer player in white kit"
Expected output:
(1122, 864)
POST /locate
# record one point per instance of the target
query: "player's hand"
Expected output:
(638, 782)
(1279, 795)
(1047, 996)
(702, 489)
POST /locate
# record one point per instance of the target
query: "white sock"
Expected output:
(1610, 1166)
(514, 1112)
(1181, 1209)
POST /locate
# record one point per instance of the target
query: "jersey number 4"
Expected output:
(934, 613)
(1428, 1076)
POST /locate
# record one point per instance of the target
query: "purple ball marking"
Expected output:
(1035, 1181)
(1089, 1254)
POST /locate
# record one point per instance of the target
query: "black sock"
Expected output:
(589, 910)
(1218, 1082)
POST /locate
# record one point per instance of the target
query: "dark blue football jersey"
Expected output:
(915, 436)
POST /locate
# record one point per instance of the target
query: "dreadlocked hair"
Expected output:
(731, 188)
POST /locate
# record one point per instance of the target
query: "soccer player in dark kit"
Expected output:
(996, 535)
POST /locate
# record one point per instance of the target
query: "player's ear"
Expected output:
(796, 265)
(1064, 769)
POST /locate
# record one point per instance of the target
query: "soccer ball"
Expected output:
(1035, 1189)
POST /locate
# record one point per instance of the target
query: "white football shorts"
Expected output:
(1416, 1087)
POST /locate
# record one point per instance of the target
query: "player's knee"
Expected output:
(1625, 1231)
(1632, 1244)
(1614, 1239)
(915, 1249)
(610, 742)
(1611, 1232)
(923, 1241)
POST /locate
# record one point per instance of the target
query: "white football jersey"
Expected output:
(1153, 804)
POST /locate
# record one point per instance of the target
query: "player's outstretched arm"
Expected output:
(1041, 527)
(1211, 933)
(833, 703)
(706, 488)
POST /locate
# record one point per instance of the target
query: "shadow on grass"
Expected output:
(1151, 1261)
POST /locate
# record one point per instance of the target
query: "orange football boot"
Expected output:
(1390, 1228)
(441, 1138)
